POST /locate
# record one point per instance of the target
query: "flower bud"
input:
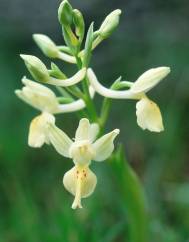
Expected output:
(109, 24)
(36, 68)
(79, 23)
(65, 13)
(47, 46)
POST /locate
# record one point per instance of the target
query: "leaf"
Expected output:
(132, 195)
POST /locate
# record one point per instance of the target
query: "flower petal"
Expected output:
(37, 87)
(38, 96)
(59, 140)
(80, 182)
(149, 115)
(149, 79)
(93, 132)
(104, 146)
(37, 132)
(82, 132)
(82, 152)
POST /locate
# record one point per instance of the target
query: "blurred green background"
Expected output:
(34, 206)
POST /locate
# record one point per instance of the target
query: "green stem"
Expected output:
(87, 98)
(89, 102)
(105, 112)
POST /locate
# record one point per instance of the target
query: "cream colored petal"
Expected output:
(80, 182)
(93, 132)
(82, 152)
(149, 79)
(149, 115)
(38, 96)
(59, 140)
(37, 87)
(82, 132)
(38, 130)
(21, 95)
(104, 146)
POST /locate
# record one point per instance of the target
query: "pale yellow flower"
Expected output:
(43, 99)
(147, 112)
(80, 181)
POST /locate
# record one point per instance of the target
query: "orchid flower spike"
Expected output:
(148, 113)
(43, 99)
(80, 181)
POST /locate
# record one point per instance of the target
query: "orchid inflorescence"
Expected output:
(77, 95)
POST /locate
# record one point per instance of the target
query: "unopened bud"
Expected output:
(110, 23)
(36, 68)
(47, 46)
(65, 13)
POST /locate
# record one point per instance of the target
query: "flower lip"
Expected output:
(149, 115)
(81, 183)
